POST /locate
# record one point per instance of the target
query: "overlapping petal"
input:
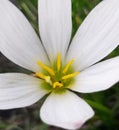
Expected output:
(98, 77)
(19, 90)
(55, 25)
(18, 40)
(65, 110)
(97, 36)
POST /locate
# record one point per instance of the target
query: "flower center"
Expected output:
(57, 76)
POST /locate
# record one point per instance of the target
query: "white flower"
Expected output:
(57, 68)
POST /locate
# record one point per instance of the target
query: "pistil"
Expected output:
(57, 85)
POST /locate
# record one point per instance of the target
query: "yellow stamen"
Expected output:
(58, 62)
(67, 66)
(48, 80)
(57, 84)
(48, 69)
(42, 76)
(70, 75)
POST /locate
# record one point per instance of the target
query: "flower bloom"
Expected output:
(57, 66)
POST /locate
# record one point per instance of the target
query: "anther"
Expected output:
(59, 61)
(67, 66)
(42, 76)
(48, 69)
(38, 74)
(70, 75)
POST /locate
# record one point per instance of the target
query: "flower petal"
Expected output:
(65, 110)
(19, 90)
(18, 40)
(98, 77)
(55, 25)
(97, 36)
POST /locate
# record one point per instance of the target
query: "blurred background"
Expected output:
(105, 103)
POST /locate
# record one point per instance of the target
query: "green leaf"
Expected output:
(100, 107)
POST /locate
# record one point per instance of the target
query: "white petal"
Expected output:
(65, 110)
(19, 90)
(18, 41)
(55, 25)
(97, 36)
(98, 77)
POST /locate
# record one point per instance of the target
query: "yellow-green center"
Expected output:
(58, 77)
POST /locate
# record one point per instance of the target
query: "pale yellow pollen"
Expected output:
(48, 69)
(57, 84)
(70, 75)
(48, 80)
(58, 62)
(42, 76)
(67, 66)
